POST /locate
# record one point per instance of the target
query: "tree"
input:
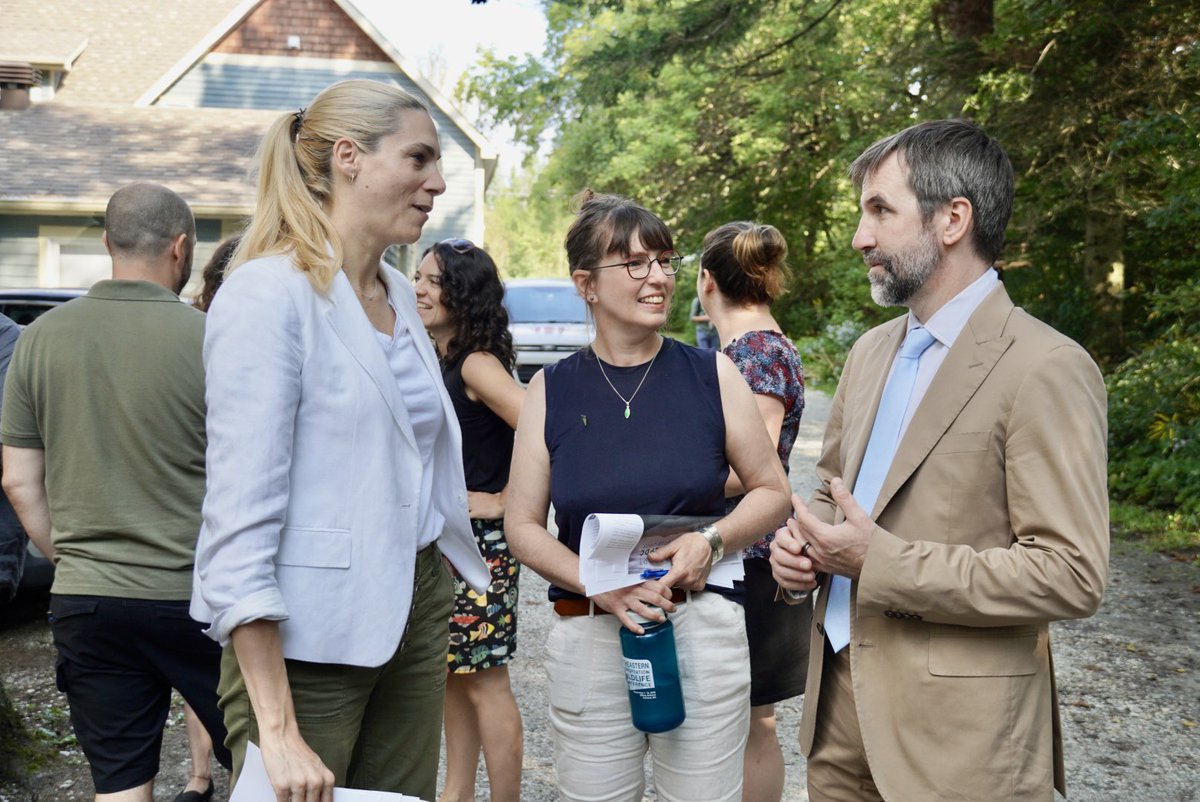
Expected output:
(714, 110)
(711, 110)
(1077, 91)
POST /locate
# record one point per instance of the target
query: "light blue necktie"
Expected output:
(877, 461)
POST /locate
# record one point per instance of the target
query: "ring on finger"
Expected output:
(804, 549)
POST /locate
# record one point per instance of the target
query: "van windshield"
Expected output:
(544, 305)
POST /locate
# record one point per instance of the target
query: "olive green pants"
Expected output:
(377, 728)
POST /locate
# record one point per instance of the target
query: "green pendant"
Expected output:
(626, 412)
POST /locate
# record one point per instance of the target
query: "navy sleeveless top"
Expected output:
(666, 458)
(487, 441)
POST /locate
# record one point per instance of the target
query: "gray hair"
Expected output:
(142, 219)
(949, 159)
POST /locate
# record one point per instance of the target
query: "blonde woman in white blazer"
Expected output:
(335, 478)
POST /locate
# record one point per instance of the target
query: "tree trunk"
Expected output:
(1104, 277)
(965, 20)
(963, 23)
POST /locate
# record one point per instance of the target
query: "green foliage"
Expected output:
(825, 353)
(1095, 102)
(1154, 414)
(708, 111)
(526, 222)
(1172, 532)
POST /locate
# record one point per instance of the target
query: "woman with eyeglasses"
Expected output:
(335, 478)
(461, 302)
(639, 423)
(742, 270)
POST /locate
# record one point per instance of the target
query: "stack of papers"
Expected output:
(253, 785)
(614, 549)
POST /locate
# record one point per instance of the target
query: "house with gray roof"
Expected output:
(95, 94)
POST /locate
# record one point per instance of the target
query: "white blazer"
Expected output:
(310, 514)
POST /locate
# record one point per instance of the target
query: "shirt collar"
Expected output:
(948, 322)
(125, 290)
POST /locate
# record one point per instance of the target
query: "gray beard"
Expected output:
(904, 273)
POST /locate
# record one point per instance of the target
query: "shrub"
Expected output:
(1154, 427)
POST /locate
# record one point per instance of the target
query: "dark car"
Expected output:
(24, 306)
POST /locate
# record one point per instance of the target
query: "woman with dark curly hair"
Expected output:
(461, 302)
(214, 272)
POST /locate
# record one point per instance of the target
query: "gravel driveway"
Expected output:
(1129, 684)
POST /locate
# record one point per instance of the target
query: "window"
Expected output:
(71, 256)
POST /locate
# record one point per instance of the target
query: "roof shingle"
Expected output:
(80, 155)
(131, 43)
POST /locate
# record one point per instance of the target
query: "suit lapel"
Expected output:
(975, 352)
(352, 327)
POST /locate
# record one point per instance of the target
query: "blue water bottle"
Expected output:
(652, 675)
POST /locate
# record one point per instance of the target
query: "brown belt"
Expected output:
(570, 607)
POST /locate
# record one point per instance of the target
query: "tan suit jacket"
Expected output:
(992, 522)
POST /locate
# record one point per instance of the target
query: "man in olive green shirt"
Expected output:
(103, 433)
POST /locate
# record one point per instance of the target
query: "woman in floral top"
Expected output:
(742, 270)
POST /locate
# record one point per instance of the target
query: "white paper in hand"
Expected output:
(253, 785)
(614, 550)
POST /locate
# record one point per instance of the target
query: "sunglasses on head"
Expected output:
(463, 246)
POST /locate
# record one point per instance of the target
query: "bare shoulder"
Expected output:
(483, 363)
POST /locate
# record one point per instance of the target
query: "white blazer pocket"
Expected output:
(314, 548)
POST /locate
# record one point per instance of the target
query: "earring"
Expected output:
(591, 299)
(353, 177)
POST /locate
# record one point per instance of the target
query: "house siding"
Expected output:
(323, 30)
(19, 245)
(19, 249)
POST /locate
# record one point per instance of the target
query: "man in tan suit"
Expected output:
(955, 524)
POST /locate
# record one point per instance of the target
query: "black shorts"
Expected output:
(778, 634)
(118, 660)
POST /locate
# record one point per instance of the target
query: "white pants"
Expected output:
(598, 754)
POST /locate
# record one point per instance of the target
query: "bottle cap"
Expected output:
(640, 619)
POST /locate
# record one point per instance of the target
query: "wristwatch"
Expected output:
(714, 542)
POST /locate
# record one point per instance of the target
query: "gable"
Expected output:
(129, 43)
(308, 28)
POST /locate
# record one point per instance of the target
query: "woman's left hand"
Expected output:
(485, 506)
(691, 560)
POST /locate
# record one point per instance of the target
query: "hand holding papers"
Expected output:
(614, 549)
(253, 785)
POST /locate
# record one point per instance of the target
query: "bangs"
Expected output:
(630, 220)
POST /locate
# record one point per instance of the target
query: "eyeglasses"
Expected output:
(463, 246)
(639, 268)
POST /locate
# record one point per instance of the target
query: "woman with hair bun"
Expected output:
(742, 270)
(335, 478)
(640, 424)
(461, 302)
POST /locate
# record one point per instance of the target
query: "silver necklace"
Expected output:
(628, 400)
